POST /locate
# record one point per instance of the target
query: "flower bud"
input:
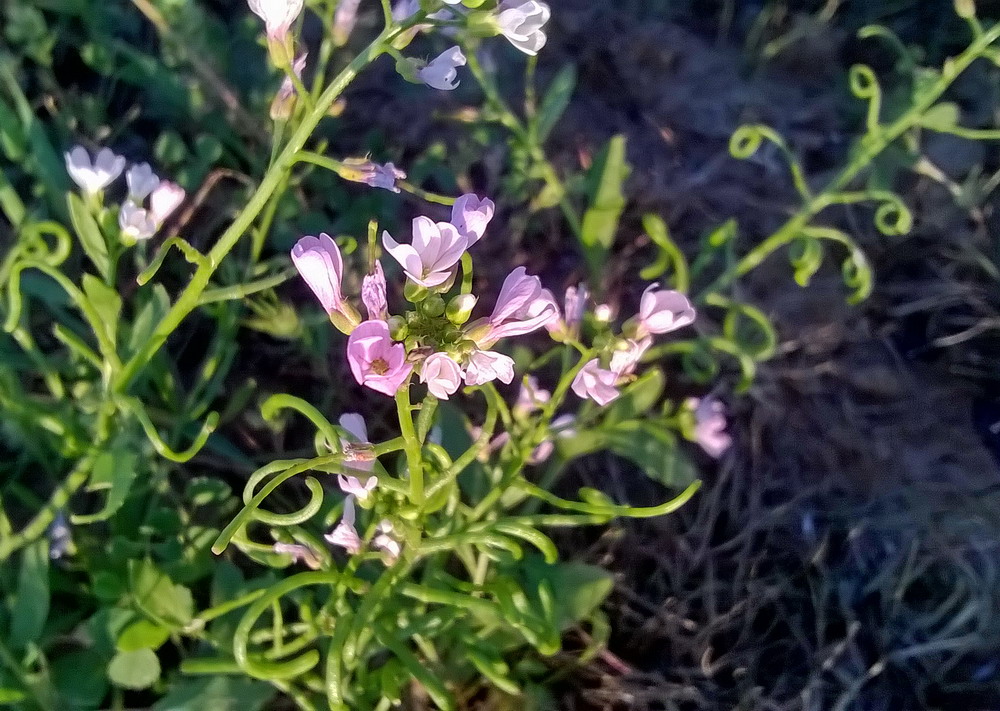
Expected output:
(414, 293)
(482, 24)
(398, 329)
(966, 9)
(432, 306)
(460, 308)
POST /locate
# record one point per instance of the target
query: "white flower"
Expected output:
(298, 553)
(278, 15)
(484, 366)
(136, 222)
(166, 198)
(344, 534)
(521, 22)
(141, 181)
(386, 543)
(441, 72)
(94, 176)
(353, 485)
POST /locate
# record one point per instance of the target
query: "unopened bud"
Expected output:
(460, 308)
(966, 9)
(482, 24)
(398, 329)
(414, 293)
(432, 306)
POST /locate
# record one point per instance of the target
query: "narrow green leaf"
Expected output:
(89, 234)
(607, 199)
(147, 319)
(555, 101)
(30, 608)
(106, 302)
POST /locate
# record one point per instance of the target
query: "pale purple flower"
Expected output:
(376, 361)
(521, 22)
(542, 452)
(363, 170)
(93, 177)
(359, 455)
(373, 294)
(442, 375)
(60, 536)
(662, 311)
(299, 552)
(485, 366)
(521, 307)
(384, 542)
(166, 198)
(430, 261)
(563, 426)
(278, 15)
(710, 426)
(141, 181)
(625, 360)
(344, 20)
(135, 222)
(320, 264)
(574, 304)
(530, 397)
(345, 535)
(353, 485)
(284, 100)
(596, 383)
(470, 215)
(442, 71)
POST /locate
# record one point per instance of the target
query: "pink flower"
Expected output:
(136, 222)
(530, 397)
(662, 311)
(166, 198)
(470, 215)
(710, 426)
(344, 21)
(376, 361)
(298, 553)
(625, 360)
(485, 366)
(436, 249)
(284, 100)
(320, 264)
(521, 307)
(278, 15)
(442, 375)
(542, 452)
(344, 535)
(596, 383)
(373, 294)
(441, 72)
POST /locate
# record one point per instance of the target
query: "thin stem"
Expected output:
(414, 457)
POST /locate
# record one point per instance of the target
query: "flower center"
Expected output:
(379, 366)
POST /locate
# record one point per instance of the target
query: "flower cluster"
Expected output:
(435, 339)
(136, 221)
(521, 22)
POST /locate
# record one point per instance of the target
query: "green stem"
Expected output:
(414, 456)
(870, 148)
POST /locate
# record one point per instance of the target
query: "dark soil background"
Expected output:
(846, 553)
